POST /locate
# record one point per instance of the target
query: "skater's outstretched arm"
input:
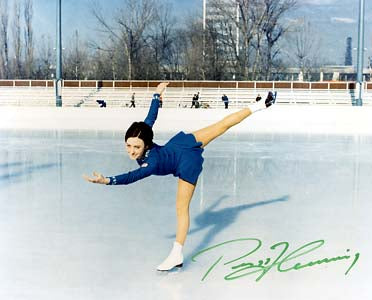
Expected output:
(97, 178)
(125, 178)
(155, 103)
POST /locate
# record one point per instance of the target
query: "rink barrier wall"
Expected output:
(188, 84)
(278, 119)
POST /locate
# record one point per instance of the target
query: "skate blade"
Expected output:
(173, 269)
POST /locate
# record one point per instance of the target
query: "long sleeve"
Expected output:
(131, 176)
(153, 111)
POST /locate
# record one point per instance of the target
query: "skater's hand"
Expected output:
(98, 178)
(161, 87)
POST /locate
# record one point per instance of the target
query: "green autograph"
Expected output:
(285, 261)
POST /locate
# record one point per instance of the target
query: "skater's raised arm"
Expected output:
(154, 108)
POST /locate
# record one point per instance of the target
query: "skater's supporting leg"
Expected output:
(184, 195)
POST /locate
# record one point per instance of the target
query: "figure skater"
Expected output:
(180, 156)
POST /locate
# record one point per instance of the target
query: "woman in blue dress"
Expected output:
(180, 156)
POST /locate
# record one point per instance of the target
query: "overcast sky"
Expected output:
(332, 20)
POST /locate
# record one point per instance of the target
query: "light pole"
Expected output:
(359, 101)
(58, 79)
(204, 27)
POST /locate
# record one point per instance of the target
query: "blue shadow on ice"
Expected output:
(15, 176)
(218, 220)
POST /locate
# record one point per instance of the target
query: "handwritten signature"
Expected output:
(284, 262)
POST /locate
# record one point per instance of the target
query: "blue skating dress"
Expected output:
(180, 156)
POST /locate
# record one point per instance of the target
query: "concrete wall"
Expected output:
(277, 119)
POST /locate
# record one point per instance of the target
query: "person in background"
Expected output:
(195, 102)
(225, 100)
(133, 101)
(271, 96)
(101, 103)
(161, 101)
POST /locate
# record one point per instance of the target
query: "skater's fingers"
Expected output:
(163, 84)
(160, 88)
(87, 178)
(97, 174)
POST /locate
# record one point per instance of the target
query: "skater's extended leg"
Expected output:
(208, 134)
(184, 196)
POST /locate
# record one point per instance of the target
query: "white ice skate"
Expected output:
(174, 259)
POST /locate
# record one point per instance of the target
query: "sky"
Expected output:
(332, 21)
(77, 14)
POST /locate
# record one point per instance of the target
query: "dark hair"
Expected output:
(142, 131)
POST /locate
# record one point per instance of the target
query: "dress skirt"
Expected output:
(190, 160)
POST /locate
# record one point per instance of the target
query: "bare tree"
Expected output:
(4, 39)
(180, 45)
(28, 38)
(257, 14)
(304, 43)
(216, 52)
(141, 42)
(274, 29)
(133, 21)
(17, 43)
(46, 58)
(108, 60)
(76, 61)
(250, 30)
(191, 41)
(305, 47)
(160, 40)
(102, 65)
(247, 26)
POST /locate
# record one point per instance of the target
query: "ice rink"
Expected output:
(274, 216)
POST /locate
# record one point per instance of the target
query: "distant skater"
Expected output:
(161, 101)
(225, 100)
(133, 100)
(180, 156)
(195, 101)
(271, 96)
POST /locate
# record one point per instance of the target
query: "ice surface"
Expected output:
(64, 238)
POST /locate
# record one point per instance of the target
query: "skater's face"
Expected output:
(135, 147)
